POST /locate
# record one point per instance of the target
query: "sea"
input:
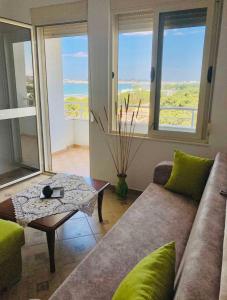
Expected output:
(81, 89)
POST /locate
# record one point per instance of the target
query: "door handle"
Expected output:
(209, 74)
(152, 74)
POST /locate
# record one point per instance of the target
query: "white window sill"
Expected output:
(202, 143)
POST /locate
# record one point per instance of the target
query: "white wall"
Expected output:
(140, 174)
(101, 165)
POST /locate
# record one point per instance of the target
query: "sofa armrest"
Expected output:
(162, 172)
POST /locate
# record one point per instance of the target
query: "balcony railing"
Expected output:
(76, 110)
(179, 118)
(185, 122)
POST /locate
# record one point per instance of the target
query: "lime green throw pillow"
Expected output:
(189, 175)
(152, 278)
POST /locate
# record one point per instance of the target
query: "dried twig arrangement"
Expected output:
(120, 145)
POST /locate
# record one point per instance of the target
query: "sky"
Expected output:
(28, 58)
(182, 55)
(75, 57)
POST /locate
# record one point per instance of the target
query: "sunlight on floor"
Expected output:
(73, 160)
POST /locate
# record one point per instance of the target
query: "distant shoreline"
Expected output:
(72, 81)
(75, 95)
(123, 87)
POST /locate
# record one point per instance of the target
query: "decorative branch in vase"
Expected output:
(120, 145)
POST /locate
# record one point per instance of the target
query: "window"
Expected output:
(181, 47)
(164, 59)
(134, 42)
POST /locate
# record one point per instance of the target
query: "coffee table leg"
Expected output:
(100, 198)
(51, 246)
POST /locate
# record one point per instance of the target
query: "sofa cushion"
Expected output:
(162, 172)
(189, 175)
(200, 271)
(156, 218)
(152, 278)
(11, 239)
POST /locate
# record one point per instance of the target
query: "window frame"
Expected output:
(206, 88)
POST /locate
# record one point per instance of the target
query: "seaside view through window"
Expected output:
(134, 65)
(183, 35)
(181, 62)
(173, 85)
(75, 76)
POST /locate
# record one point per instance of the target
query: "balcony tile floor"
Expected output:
(72, 160)
(74, 240)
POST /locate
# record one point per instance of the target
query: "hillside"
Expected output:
(174, 98)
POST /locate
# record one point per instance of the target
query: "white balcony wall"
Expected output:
(63, 132)
(81, 132)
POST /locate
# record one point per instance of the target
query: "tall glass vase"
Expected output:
(122, 187)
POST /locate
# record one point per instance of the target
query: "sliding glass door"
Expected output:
(19, 146)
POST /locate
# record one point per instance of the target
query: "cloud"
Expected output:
(178, 32)
(187, 31)
(80, 54)
(139, 33)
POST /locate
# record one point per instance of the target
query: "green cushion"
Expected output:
(11, 238)
(152, 278)
(189, 175)
(10, 270)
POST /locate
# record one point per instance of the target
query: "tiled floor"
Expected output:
(15, 174)
(73, 242)
(28, 163)
(73, 160)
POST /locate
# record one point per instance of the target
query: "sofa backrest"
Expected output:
(198, 277)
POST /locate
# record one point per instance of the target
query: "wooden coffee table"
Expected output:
(51, 223)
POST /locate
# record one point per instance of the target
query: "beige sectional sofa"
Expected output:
(157, 217)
